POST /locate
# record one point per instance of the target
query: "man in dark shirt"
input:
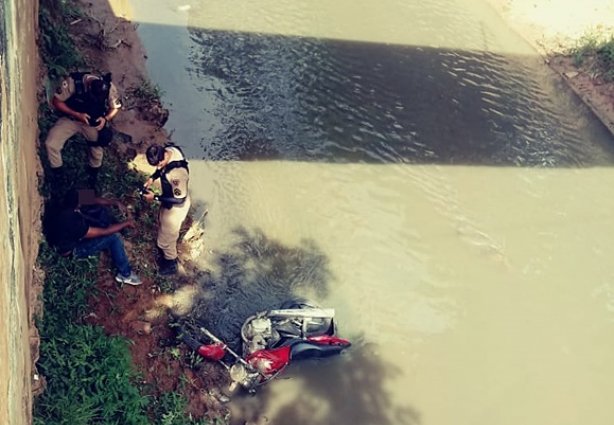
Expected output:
(84, 231)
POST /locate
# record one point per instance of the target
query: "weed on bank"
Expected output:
(597, 50)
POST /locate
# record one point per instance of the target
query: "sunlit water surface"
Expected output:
(415, 166)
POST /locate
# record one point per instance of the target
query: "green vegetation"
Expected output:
(596, 50)
(170, 408)
(56, 46)
(90, 376)
(147, 92)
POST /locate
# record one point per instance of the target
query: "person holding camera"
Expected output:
(87, 102)
(172, 170)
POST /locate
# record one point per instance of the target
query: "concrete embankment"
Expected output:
(553, 27)
(19, 207)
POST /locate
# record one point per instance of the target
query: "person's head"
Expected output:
(71, 199)
(155, 154)
(99, 88)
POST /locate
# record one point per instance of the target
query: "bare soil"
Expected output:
(596, 92)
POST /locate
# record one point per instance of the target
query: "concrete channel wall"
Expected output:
(19, 207)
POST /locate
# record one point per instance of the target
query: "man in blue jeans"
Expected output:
(83, 228)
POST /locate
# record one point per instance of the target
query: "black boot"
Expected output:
(159, 255)
(57, 180)
(167, 267)
(92, 176)
(58, 173)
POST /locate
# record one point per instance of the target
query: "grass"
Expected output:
(596, 50)
(90, 376)
(56, 46)
(146, 92)
(170, 408)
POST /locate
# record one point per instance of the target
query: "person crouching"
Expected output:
(82, 228)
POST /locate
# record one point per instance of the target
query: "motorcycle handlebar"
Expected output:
(228, 349)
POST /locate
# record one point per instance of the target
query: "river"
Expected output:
(417, 167)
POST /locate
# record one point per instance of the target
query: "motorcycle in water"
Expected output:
(270, 341)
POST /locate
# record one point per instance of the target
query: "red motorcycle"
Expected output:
(270, 341)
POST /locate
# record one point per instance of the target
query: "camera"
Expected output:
(92, 121)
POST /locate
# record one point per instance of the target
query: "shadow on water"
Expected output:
(257, 273)
(247, 96)
(269, 97)
(345, 390)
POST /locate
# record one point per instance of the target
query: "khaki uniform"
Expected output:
(66, 127)
(170, 219)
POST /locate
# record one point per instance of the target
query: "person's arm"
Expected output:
(113, 203)
(149, 196)
(95, 232)
(152, 178)
(114, 107)
(111, 114)
(169, 200)
(88, 199)
(108, 202)
(179, 183)
(102, 121)
(63, 107)
(114, 102)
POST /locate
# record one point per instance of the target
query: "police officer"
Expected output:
(88, 102)
(172, 170)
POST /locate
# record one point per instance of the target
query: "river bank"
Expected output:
(138, 314)
(559, 30)
(125, 330)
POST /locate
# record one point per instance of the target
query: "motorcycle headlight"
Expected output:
(238, 373)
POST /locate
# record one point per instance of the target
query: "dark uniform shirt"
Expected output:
(67, 89)
(70, 227)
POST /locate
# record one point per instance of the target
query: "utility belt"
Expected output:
(169, 205)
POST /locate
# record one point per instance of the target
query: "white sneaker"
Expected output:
(133, 279)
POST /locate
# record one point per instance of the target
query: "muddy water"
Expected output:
(416, 167)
